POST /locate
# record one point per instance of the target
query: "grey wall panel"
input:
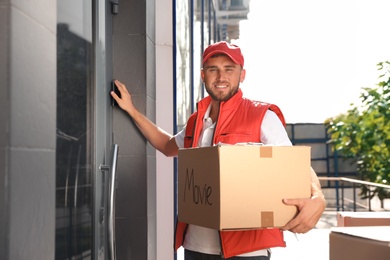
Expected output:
(123, 237)
(28, 137)
(4, 126)
(4, 74)
(132, 238)
(151, 21)
(317, 150)
(40, 11)
(151, 185)
(4, 188)
(151, 71)
(32, 203)
(134, 65)
(309, 131)
(33, 91)
(151, 114)
(151, 207)
(131, 19)
(343, 166)
(129, 61)
(127, 135)
(319, 167)
(130, 198)
(289, 129)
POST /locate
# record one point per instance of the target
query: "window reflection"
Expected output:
(73, 151)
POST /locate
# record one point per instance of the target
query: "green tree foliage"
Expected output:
(363, 133)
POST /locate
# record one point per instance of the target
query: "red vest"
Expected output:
(239, 120)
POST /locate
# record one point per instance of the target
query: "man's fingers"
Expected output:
(293, 202)
(114, 95)
(296, 227)
(121, 87)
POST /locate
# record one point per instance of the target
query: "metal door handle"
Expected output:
(111, 201)
(111, 204)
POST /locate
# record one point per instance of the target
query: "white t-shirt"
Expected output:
(205, 240)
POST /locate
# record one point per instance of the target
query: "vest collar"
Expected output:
(203, 104)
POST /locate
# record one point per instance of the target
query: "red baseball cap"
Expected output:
(231, 50)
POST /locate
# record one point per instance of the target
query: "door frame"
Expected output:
(102, 24)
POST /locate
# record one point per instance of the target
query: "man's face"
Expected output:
(222, 77)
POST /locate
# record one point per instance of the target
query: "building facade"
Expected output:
(59, 127)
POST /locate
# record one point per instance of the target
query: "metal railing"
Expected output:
(354, 183)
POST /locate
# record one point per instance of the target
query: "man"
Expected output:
(226, 116)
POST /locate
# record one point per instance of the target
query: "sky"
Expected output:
(313, 57)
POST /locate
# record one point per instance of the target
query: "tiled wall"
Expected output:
(28, 116)
(144, 226)
(164, 119)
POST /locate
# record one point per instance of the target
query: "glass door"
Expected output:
(83, 150)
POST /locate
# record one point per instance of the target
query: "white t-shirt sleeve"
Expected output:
(273, 132)
(179, 138)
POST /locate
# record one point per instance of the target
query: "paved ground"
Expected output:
(312, 245)
(315, 243)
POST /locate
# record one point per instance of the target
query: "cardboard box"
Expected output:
(353, 219)
(230, 187)
(359, 243)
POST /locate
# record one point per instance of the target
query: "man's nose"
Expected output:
(220, 74)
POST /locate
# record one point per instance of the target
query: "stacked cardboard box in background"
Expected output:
(360, 236)
(352, 219)
(360, 243)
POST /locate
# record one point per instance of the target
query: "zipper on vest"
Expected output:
(216, 124)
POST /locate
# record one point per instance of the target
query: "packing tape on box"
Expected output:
(265, 152)
(267, 219)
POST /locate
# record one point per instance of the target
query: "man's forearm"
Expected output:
(316, 190)
(157, 137)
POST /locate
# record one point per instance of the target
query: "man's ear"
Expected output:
(242, 76)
